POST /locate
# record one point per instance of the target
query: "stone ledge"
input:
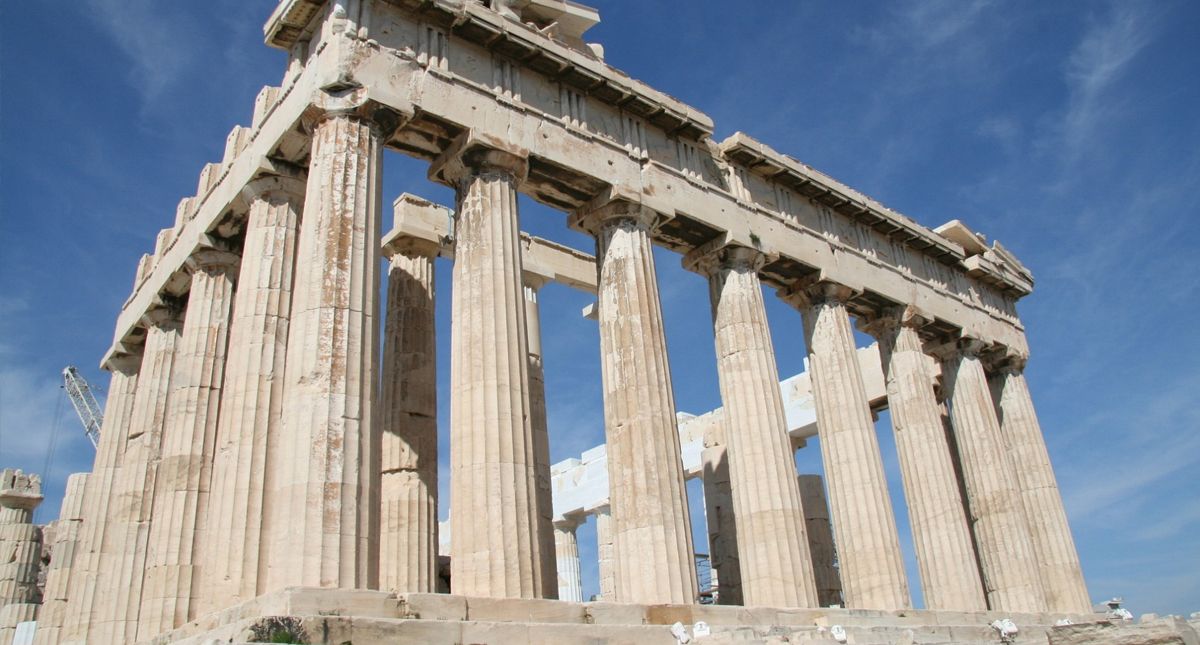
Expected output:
(364, 617)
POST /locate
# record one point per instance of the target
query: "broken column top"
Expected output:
(569, 19)
(20, 490)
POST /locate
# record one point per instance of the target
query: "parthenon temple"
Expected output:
(268, 461)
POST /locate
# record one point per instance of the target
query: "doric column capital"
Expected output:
(887, 321)
(720, 253)
(569, 523)
(533, 283)
(607, 212)
(602, 509)
(353, 104)
(274, 187)
(214, 261)
(1008, 362)
(957, 347)
(474, 154)
(166, 316)
(809, 292)
(124, 363)
(20, 490)
(410, 246)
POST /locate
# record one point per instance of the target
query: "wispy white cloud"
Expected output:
(928, 24)
(1094, 67)
(1172, 523)
(1158, 440)
(159, 47)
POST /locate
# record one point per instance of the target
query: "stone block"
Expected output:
(1168, 631)
(614, 613)
(428, 606)
(208, 178)
(306, 601)
(234, 144)
(523, 610)
(473, 632)
(263, 104)
(184, 211)
(163, 241)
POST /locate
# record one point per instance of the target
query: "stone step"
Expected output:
(336, 616)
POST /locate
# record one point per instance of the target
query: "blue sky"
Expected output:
(1069, 131)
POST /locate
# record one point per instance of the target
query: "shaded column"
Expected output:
(722, 522)
(605, 554)
(941, 537)
(119, 584)
(871, 566)
(552, 581)
(252, 394)
(1053, 545)
(323, 497)
(774, 561)
(96, 541)
(1006, 557)
(176, 545)
(64, 554)
(819, 531)
(408, 416)
(494, 519)
(651, 526)
(566, 555)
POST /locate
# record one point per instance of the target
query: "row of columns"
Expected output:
(240, 452)
(261, 403)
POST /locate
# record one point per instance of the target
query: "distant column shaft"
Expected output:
(494, 523)
(119, 585)
(651, 527)
(252, 396)
(1058, 562)
(941, 537)
(323, 496)
(175, 549)
(1006, 557)
(774, 560)
(408, 415)
(871, 566)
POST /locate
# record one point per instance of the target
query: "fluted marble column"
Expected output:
(65, 549)
(941, 536)
(819, 531)
(1006, 556)
(775, 565)
(1053, 546)
(177, 547)
(323, 476)
(408, 416)
(119, 585)
(494, 519)
(551, 583)
(97, 540)
(566, 555)
(252, 394)
(20, 539)
(605, 554)
(871, 566)
(651, 526)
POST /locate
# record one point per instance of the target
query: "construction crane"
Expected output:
(84, 401)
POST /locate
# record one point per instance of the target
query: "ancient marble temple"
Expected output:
(268, 460)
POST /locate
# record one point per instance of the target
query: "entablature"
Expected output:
(828, 231)
(762, 160)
